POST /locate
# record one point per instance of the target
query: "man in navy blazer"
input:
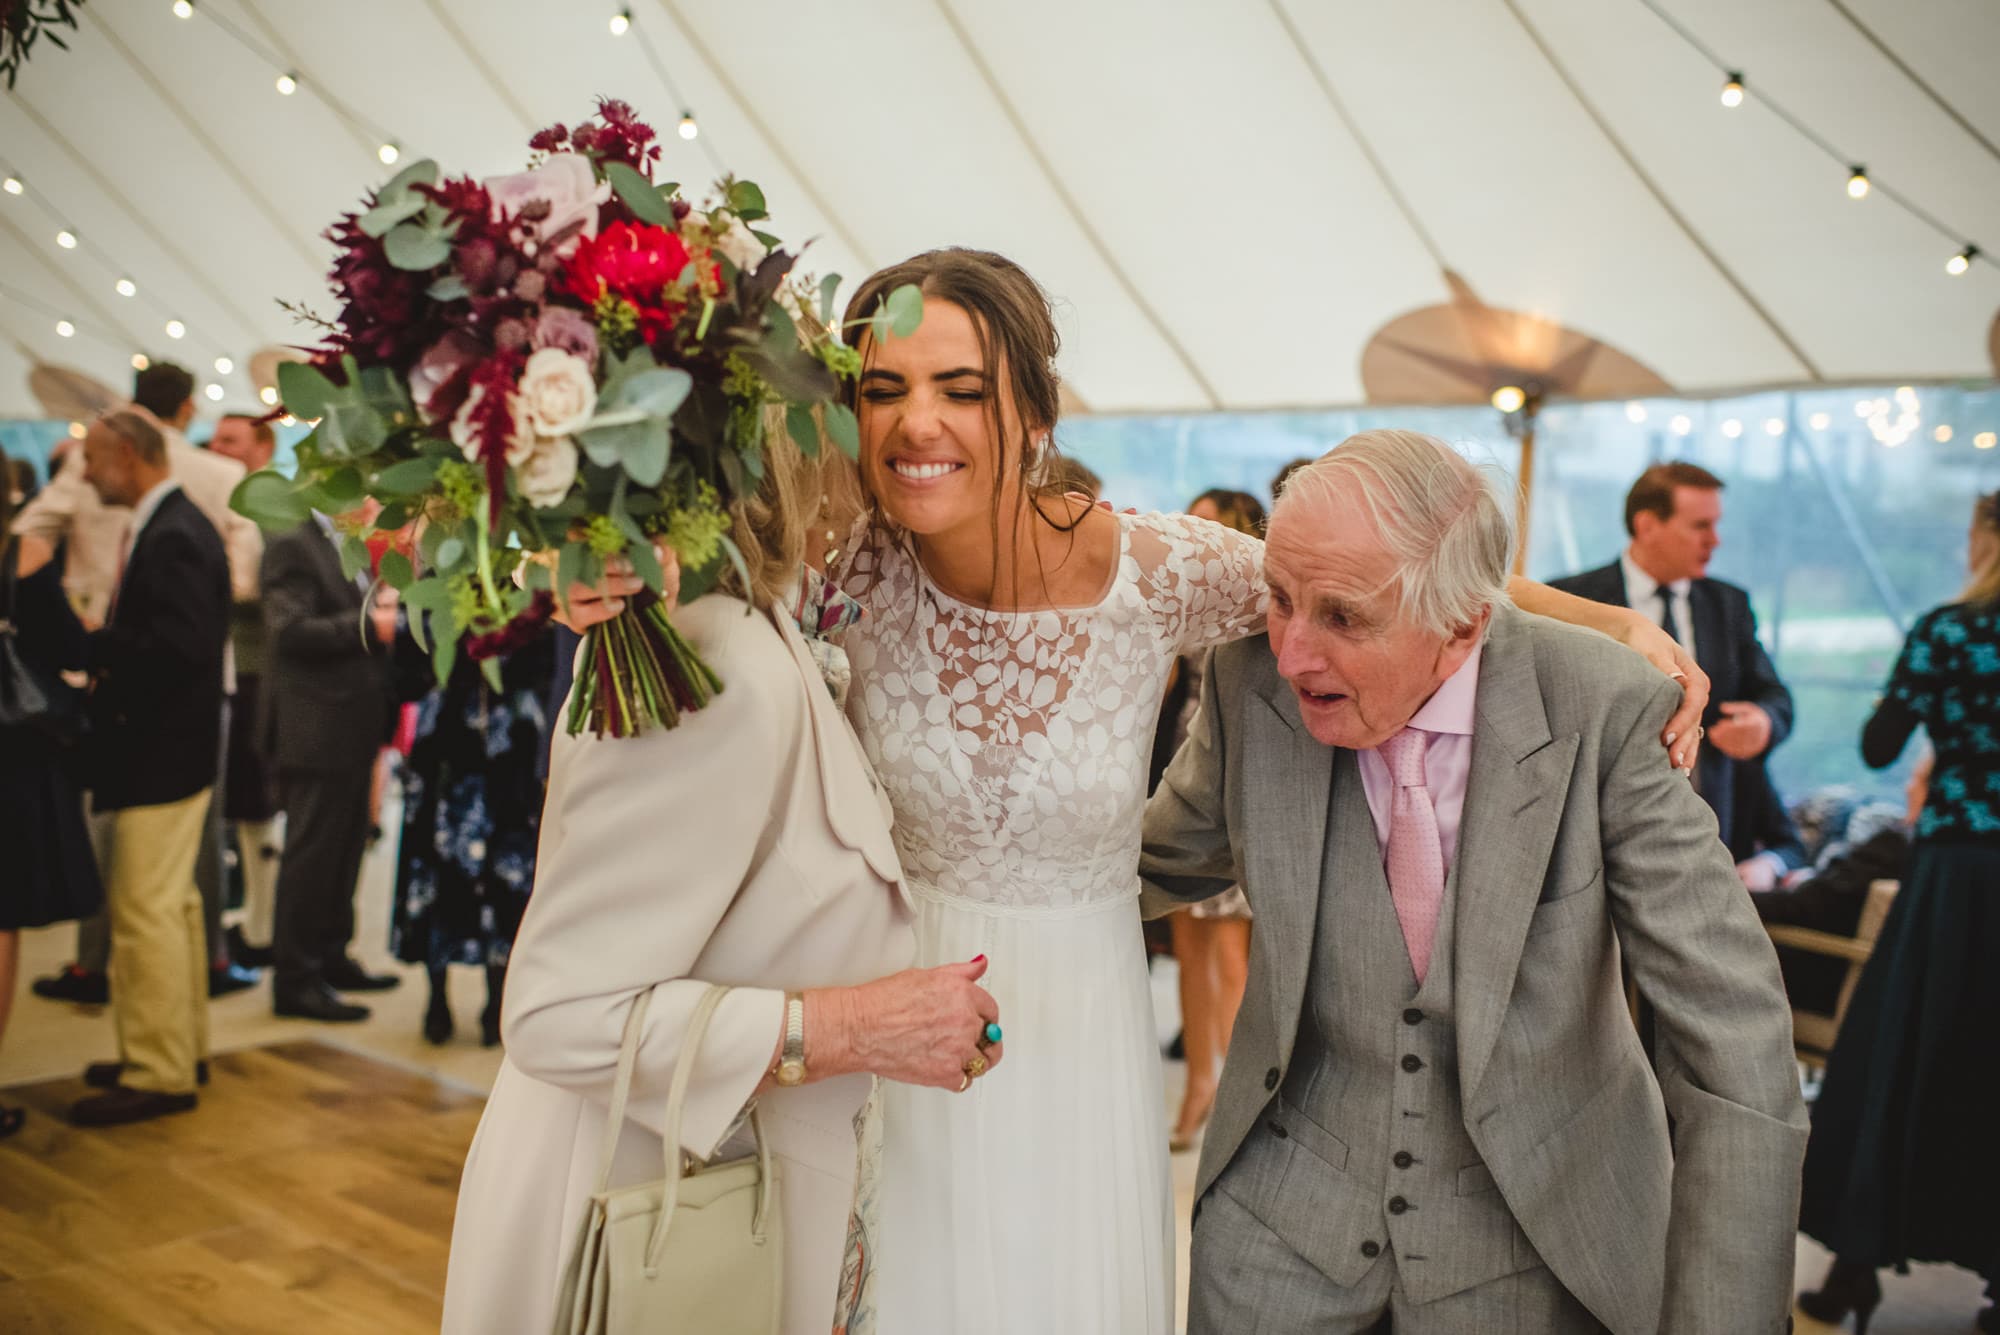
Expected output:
(1672, 513)
(155, 713)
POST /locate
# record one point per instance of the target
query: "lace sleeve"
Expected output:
(1205, 582)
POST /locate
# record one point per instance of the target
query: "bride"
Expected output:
(1005, 683)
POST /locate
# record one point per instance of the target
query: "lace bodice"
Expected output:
(1014, 745)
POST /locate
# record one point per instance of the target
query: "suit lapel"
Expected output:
(1513, 807)
(1285, 796)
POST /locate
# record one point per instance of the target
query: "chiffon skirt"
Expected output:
(1039, 1200)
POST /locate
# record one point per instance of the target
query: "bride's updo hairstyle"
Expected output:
(1011, 315)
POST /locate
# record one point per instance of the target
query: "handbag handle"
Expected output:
(628, 1055)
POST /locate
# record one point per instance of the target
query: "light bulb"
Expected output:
(12, 185)
(65, 329)
(183, 9)
(1960, 262)
(1635, 413)
(1942, 435)
(288, 84)
(1857, 183)
(388, 153)
(1732, 92)
(76, 431)
(223, 366)
(1509, 398)
(269, 395)
(620, 22)
(1732, 428)
(175, 329)
(1863, 407)
(1985, 440)
(1820, 421)
(688, 128)
(214, 392)
(1682, 424)
(66, 239)
(1774, 426)
(140, 361)
(126, 287)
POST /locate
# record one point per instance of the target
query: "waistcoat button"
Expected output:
(1371, 1249)
(1413, 1063)
(1403, 1159)
(1398, 1205)
(1271, 1078)
(1413, 1016)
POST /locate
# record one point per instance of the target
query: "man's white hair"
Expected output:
(1447, 522)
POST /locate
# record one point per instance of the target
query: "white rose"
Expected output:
(566, 182)
(550, 469)
(557, 392)
(520, 440)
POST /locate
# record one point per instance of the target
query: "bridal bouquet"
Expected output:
(543, 371)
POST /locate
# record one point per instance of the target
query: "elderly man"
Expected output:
(1450, 817)
(157, 664)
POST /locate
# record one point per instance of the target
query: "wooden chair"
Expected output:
(1812, 1033)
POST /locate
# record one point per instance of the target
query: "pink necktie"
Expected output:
(1416, 855)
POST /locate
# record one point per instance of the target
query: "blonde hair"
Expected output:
(1983, 590)
(769, 525)
(1448, 523)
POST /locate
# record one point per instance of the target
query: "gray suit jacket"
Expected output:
(1577, 840)
(327, 700)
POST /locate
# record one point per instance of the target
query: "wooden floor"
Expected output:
(310, 1193)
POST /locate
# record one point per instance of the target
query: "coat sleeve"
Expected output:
(1761, 686)
(150, 655)
(293, 623)
(1725, 1040)
(1186, 855)
(645, 843)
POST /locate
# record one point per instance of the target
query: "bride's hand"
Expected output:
(582, 605)
(920, 1026)
(1683, 733)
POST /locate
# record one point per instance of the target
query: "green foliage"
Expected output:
(645, 200)
(803, 428)
(844, 430)
(271, 501)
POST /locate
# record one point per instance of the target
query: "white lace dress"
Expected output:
(1014, 747)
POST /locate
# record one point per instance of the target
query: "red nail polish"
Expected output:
(979, 959)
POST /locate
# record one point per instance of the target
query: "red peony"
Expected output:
(634, 263)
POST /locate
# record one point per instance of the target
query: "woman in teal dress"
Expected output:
(1904, 1162)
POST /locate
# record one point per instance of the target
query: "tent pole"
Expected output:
(1525, 483)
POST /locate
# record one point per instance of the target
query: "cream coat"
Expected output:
(748, 846)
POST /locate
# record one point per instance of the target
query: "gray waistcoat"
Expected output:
(1363, 1151)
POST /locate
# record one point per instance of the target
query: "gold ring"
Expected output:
(964, 1082)
(975, 1068)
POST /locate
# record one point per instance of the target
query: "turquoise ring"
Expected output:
(992, 1033)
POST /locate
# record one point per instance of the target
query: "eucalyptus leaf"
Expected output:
(844, 430)
(344, 489)
(389, 212)
(827, 287)
(394, 515)
(448, 288)
(450, 552)
(303, 389)
(271, 501)
(570, 568)
(793, 372)
(736, 559)
(408, 478)
(489, 668)
(424, 171)
(770, 242)
(397, 572)
(607, 446)
(445, 632)
(905, 309)
(804, 429)
(354, 556)
(658, 392)
(410, 246)
(428, 595)
(640, 195)
(646, 562)
(646, 456)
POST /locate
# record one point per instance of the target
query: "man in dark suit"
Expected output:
(325, 716)
(1763, 838)
(155, 712)
(1672, 513)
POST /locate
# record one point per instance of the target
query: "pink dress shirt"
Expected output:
(1448, 716)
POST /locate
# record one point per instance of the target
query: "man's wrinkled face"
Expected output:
(1359, 667)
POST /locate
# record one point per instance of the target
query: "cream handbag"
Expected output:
(698, 1252)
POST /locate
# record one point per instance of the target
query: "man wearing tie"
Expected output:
(157, 666)
(1672, 514)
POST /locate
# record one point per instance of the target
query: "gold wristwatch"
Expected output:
(792, 1058)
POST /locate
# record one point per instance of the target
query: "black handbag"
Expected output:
(30, 699)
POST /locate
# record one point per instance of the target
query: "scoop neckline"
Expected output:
(1096, 604)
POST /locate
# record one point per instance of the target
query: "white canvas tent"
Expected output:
(1230, 198)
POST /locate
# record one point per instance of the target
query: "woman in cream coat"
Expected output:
(748, 846)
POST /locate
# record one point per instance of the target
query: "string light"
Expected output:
(223, 366)
(1820, 421)
(1960, 262)
(1857, 182)
(1774, 426)
(127, 288)
(175, 329)
(269, 396)
(1893, 431)
(1635, 413)
(1732, 428)
(65, 329)
(388, 153)
(688, 128)
(620, 22)
(140, 361)
(183, 9)
(12, 185)
(76, 431)
(66, 239)
(214, 392)
(1942, 435)
(1509, 398)
(288, 83)
(1732, 92)
(1682, 424)
(1985, 440)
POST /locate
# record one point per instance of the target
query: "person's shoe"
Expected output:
(105, 1075)
(437, 1021)
(247, 955)
(75, 983)
(230, 978)
(344, 975)
(120, 1106)
(315, 1001)
(1848, 1287)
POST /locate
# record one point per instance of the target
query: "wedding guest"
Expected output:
(327, 705)
(1766, 843)
(747, 845)
(157, 664)
(1284, 475)
(1072, 477)
(22, 485)
(472, 813)
(1211, 938)
(1903, 1164)
(51, 874)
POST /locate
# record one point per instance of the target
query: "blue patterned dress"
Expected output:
(1903, 1164)
(472, 808)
